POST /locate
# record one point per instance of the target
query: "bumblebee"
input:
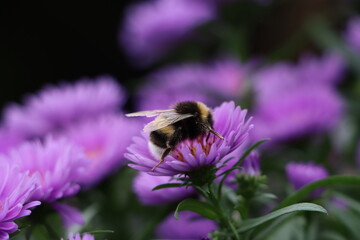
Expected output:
(186, 120)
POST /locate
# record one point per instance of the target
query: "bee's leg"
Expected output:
(208, 136)
(163, 155)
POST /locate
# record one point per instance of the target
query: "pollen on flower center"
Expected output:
(204, 142)
(178, 155)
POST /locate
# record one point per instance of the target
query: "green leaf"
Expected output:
(349, 219)
(252, 223)
(331, 235)
(326, 182)
(350, 202)
(202, 208)
(100, 232)
(168, 185)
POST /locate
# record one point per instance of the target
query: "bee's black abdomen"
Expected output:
(159, 139)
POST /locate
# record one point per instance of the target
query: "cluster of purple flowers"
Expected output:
(194, 82)
(294, 100)
(62, 139)
(69, 137)
(291, 100)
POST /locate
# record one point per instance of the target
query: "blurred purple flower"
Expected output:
(104, 141)
(229, 121)
(57, 163)
(69, 215)
(77, 236)
(144, 183)
(249, 167)
(352, 33)
(15, 190)
(55, 107)
(151, 28)
(312, 71)
(301, 174)
(339, 203)
(327, 69)
(9, 140)
(208, 83)
(189, 226)
(297, 112)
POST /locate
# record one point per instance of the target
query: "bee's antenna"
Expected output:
(216, 133)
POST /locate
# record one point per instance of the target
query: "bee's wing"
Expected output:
(151, 113)
(165, 119)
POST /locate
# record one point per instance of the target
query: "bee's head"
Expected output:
(205, 118)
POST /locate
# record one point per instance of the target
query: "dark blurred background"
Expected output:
(47, 42)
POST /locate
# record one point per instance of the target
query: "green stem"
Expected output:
(225, 219)
(243, 208)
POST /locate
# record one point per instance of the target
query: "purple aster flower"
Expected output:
(207, 83)
(229, 122)
(104, 141)
(352, 33)
(55, 107)
(15, 190)
(57, 163)
(144, 183)
(297, 112)
(151, 28)
(301, 174)
(77, 236)
(189, 226)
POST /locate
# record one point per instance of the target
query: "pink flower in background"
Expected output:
(326, 70)
(296, 100)
(189, 226)
(301, 174)
(153, 27)
(104, 141)
(297, 113)
(211, 83)
(249, 167)
(16, 188)
(57, 163)
(55, 107)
